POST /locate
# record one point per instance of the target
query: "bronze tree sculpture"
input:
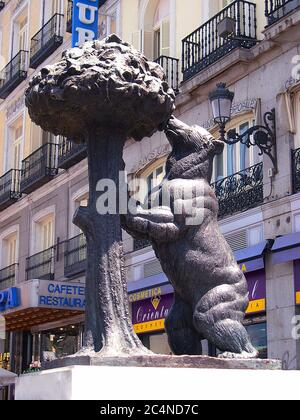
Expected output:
(102, 94)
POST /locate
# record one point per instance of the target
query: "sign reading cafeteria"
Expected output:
(61, 295)
(85, 21)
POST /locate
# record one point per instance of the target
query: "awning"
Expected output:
(252, 258)
(286, 248)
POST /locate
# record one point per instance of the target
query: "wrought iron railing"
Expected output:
(9, 188)
(39, 167)
(296, 170)
(204, 46)
(70, 153)
(41, 266)
(241, 191)
(277, 9)
(13, 74)
(46, 40)
(171, 68)
(8, 277)
(75, 256)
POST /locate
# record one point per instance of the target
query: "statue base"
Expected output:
(106, 383)
(165, 361)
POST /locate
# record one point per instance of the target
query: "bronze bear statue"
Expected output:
(211, 295)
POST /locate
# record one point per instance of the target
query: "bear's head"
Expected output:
(193, 151)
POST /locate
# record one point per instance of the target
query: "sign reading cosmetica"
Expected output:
(85, 21)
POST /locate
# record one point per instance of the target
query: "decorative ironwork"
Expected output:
(39, 168)
(262, 136)
(41, 266)
(45, 42)
(204, 46)
(75, 256)
(70, 153)
(277, 9)
(8, 277)
(296, 170)
(241, 191)
(13, 74)
(171, 68)
(9, 188)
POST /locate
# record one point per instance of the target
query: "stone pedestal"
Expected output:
(136, 383)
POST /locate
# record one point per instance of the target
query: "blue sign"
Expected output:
(63, 296)
(9, 299)
(85, 21)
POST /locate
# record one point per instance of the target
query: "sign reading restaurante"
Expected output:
(85, 21)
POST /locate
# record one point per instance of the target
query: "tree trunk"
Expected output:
(108, 327)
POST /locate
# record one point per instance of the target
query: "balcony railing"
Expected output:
(296, 170)
(13, 74)
(39, 168)
(8, 277)
(70, 14)
(204, 46)
(41, 266)
(75, 256)
(70, 153)
(277, 9)
(139, 244)
(9, 188)
(171, 68)
(46, 41)
(241, 191)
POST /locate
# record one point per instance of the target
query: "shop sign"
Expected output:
(257, 292)
(145, 294)
(9, 299)
(297, 281)
(149, 315)
(62, 296)
(85, 21)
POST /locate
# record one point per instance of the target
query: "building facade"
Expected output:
(44, 179)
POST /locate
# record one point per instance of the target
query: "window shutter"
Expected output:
(165, 38)
(148, 44)
(35, 137)
(136, 40)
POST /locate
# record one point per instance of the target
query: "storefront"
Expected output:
(43, 322)
(151, 305)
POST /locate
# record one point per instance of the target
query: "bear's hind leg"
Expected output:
(182, 335)
(219, 316)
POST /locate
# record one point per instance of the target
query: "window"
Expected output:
(258, 337)
(156, 29)
(50, 8)
(10, 250)
(14, 146)
(108, 21)
(149, 179)
(235, 158)
(20, 35)
(43, 234)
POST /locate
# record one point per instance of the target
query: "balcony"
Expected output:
(75, 256)
(139, 244)
(171, 68)
(240, 192)
(8, 277)
(41, 266)
(9, 188)
(277, 9)
(13, 74)
(296, 170)
(205, 46)
(70, 153)
(70, 14)
(46, 41)
(39, 168)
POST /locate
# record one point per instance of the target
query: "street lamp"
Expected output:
(262, 136)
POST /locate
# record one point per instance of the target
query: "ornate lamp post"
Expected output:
(262, 136)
